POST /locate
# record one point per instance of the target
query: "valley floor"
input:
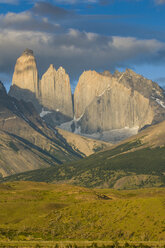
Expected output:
(34, 213)
(82, 244)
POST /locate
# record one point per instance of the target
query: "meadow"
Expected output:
(34, 213)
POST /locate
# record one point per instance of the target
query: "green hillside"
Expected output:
(116, 168)
(138, 162)
(39, 211)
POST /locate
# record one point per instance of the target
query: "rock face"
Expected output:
(55, 91)
(25, 77)
(144, 86)
(104, 101)
(52, 92)
(26, 73)
(3, 92)
(90, 84)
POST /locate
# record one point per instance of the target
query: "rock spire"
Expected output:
(55, 91)
(52, 92)
(25, 73)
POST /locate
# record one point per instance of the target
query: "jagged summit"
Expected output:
(51, 66)
(55, 91)
(50, 69)
(61, 70)
(25, 81)
(102, 101)
(106, 73)
(28, 51)
(26, 73)
(52, 92)
(130, 71)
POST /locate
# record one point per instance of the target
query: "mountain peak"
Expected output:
(28, 52)
(25, 76)
(61, 69)
(106, 73)
(51, 68)
(55, 91)
(131, 72)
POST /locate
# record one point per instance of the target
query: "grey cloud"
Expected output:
(53, 41)
(49, 10)
(27, 21)
(76, 1)
(9, 1)
(106, 2)
(106, 24)
(160, 1)
(161, 80)
(50, 18)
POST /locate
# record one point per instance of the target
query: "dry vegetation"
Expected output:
(46, 212)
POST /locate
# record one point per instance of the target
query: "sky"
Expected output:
(84, 35)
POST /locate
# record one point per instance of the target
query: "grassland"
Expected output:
(36, 212)
(82, 244)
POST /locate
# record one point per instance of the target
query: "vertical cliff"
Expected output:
(90, 84)
(116, 108)
(55, 91)
(103, 103)
(25, 75)
(52, 92)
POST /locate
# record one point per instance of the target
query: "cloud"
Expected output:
(105, 2)
(76, 1)
(9, 1)
(76, 51)
(47, 9)
(160, 1)
(27, 21)
(161, 80)
(51, 32)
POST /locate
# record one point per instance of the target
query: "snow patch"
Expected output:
(77, 130)
(112, 136)
(121, 76)
(108, 88)
(43, 113)
(78, 119)
(115, 135)
(161, 103)
(67, 126)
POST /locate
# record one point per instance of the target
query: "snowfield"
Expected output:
(112, 136)
(43, 113)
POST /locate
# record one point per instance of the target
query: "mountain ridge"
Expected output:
(102, 101)
(27, 142)
(137, 162)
